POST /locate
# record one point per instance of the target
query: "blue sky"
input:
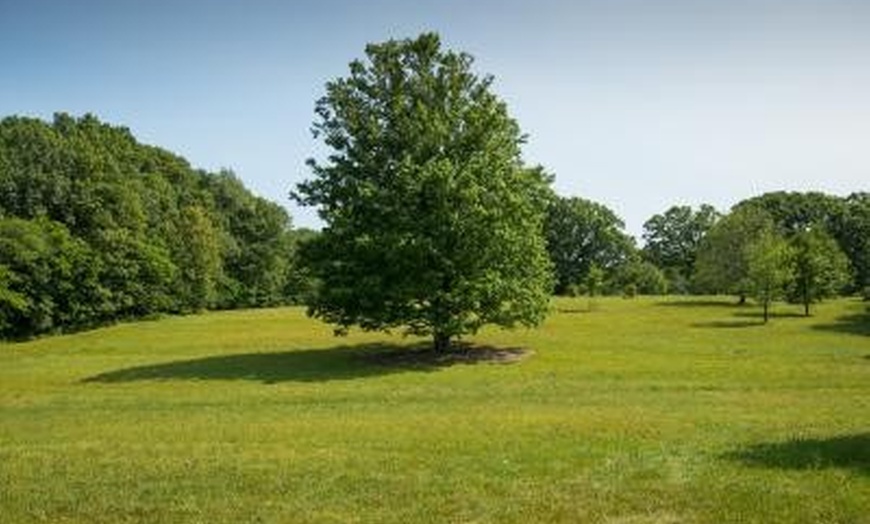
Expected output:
(639, 105)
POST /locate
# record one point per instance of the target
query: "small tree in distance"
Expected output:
(434, 224)
(820, 268)
(770, 268)
(722, 264)
(582, 234)
(672, 240)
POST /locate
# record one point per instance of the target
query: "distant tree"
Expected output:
(852, 231)
(820, 267)
(722, 263)
(255, 252)
(147, 233)
(13, 304)
(202, 262)
(299, 282)
(594, 281)
(793, 212)
(582, 234)
(433, 221)
(48, 279)
(769, 269)
(640, 276)
(672, 239)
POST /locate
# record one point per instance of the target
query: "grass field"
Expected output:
(634, 411)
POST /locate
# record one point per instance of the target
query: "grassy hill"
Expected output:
(627, 411)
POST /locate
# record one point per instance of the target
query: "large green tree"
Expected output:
(582, 234)
(433, 222)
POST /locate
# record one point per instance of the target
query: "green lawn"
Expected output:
(634, 411)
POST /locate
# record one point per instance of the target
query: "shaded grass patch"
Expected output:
(845, 451)
(729, 324)
(858, 324)
(343, 362)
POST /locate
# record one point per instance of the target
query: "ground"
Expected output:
(630, 411)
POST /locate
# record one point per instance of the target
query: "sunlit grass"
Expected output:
(629, 411)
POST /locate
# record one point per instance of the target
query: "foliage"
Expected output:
(846, 219)
(852, 231)
(582, 234)
(594, 281)
(640, 276)
(722, 264)
(672, 239)
(49, 279)
(99, 227)
(433, 221)
(793, 212)
(769, 268)
(299, 283)
(820, 268)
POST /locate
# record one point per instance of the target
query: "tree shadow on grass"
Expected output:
(699, 303)
(847, 452)
(574, 310)
(858, 324)
(313, 365)
(759, 314)
(729, 324)
(747, 319)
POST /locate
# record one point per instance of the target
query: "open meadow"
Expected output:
(622, 411)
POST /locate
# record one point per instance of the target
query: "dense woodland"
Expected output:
(96, 227)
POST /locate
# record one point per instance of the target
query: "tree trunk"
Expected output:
(742, 300)
(766, 306)
(806, 308)
(441, 342)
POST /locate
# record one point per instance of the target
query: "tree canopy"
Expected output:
(796, 245)
(95, 226)
(434, 223)
(582, 235)
(672, 239)
(820, 267)
(722, 263)
(769, 267)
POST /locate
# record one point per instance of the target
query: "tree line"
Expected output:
(96, 227)
(435, 225)
(802, 247)
(433, 222)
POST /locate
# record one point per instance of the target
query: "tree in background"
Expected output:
(201, 265)
(98, 227)
(722, 263)
(852, 231)
(769, 267)
(48, 279)
(639, 276)
(582, 234)
(793, 212)
(820, 267)
(433, 221)
(672, 239)
(299, 284)
(846, 219)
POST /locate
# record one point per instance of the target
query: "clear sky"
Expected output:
(637, 104)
